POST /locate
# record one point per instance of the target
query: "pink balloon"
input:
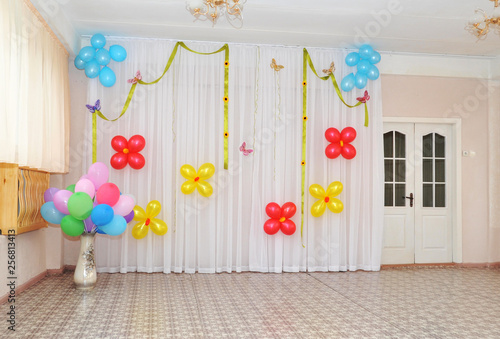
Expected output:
(288, 227)
(98, 173)
(272, 226)
(86, 186)
(273, 210)
(61, 200)
(108, 194)
(124, 206)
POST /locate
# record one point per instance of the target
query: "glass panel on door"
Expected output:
(433, 170)
(394, 169)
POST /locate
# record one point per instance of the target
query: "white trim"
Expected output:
(457, 135)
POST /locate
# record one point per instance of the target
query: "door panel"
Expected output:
(399, 219)
(418, 161)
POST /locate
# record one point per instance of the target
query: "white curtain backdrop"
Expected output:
(34, 91)
(181, 118)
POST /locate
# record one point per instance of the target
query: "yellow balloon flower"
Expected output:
(326, 198)
(147, 220)
(197, 179)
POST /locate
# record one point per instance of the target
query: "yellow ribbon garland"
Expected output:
(224, 48)
(307, 61)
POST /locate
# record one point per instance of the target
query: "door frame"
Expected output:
(456, 190)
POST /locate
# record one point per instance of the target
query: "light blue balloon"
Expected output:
(107, 77)
(98, 41)
(373, 73)
(117, 53)
(79, 63)
(352, 59)
(347, 84)
(102, 56)
(87, 53)
(92, 69)
(116, 227)
(102, 214)
(375, 58)
(360, 80)
(50, 213)
(365, 51)
(364, 66)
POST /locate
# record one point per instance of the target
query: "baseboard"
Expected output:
(457, 265)
(57, 271)
(69, 267)
(21, 288)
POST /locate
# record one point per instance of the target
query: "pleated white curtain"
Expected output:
(181, 118)
(34, 91)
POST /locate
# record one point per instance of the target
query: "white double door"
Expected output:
(418, 218)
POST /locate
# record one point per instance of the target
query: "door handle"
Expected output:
(411, 199)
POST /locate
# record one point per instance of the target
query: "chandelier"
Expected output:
(479, 24)
(214, 9)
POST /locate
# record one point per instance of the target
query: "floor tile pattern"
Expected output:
(394, 303)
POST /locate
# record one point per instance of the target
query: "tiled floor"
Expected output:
(395, 303)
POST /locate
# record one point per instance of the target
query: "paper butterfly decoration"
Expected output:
(96, 107)
(330, 70)
(244, 150)
(275, 66)
(137, 77)
(364, 98)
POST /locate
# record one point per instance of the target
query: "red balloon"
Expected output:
(332, 151)
(332, 134)
(348, 151)
(273, 210)
(288, 210)
(288, 227)
(136, 144)
(272, 226)
(119, 143)
(348, 134)
(108, 194)
(136, 160)
(119, 160)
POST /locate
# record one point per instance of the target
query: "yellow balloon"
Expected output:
(153, 208)
(335, 205)
(139, 214)
(188, 171)
(188, 187)
(140, 230)
(317, 191)
(205, 188)
(318, 208)
(206, 171)
(158, 226)
(334, 189)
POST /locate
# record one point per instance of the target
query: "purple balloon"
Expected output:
(129, 217)
(89, 225)
(49, 194)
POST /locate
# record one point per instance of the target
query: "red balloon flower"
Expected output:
(128, 152)
(280, 218)
(340, 143)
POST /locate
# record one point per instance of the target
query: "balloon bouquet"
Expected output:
(91, 58)
(364, 60)
(91, 205)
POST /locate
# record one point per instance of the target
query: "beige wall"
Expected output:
(467, 99)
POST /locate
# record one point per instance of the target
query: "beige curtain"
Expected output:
(34, 91)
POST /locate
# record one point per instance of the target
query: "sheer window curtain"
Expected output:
(34, 123)
(181, 118)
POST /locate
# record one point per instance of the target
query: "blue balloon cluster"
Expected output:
(92, 58)
(365, 61)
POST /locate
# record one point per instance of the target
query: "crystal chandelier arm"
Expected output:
(235, 6)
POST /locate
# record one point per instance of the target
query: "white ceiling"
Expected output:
(417, 26)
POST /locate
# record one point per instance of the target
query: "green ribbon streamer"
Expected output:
(224, 48)
(307, 61)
